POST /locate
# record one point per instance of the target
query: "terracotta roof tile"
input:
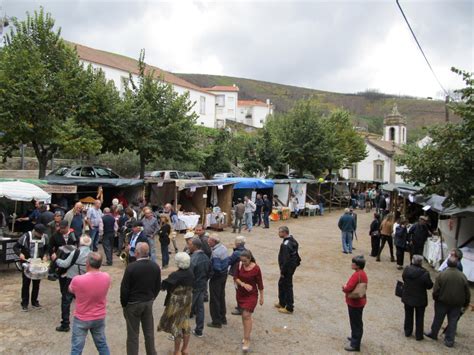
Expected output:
(386, 147)
(251, 103)
(223, 88)
(129, 65)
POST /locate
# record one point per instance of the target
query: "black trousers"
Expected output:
(134, 315)
(357, 325)
(285, 291)
(419, 313)
(108, 244)
(217, 298)
(375, 243)
(386, 239)
(257, 218)
(400, 255)
(66, 300)
(25, 291)
(442, 310)
(416, 249)
(266, 220)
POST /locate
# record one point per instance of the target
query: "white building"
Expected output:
(253, 112)
(117, 68)
(380, 165)
(226, 98)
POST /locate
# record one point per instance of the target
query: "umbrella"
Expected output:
(22, 191)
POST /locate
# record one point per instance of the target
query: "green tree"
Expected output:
(345, 146)
(446, 165)
(299, 139)
(216, 154)
(158, 121)
(45, 94)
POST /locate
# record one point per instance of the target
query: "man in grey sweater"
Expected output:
(75, 264)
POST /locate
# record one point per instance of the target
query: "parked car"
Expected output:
(82, 171)
(224, 175)
(166, 175)
(195, 175)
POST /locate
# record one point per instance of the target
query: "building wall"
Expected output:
(400, 134)
(259, 115)
(229, 110)
(205, 118)
(365, 168)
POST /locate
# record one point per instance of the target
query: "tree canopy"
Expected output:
(158, 122)
(46, 96)
(446, 165)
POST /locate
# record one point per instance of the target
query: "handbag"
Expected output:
(359, 291)
(399, 288)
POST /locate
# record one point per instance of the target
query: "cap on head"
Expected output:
(137, 224)
(64, 224)
(189, 235)
(40, 228)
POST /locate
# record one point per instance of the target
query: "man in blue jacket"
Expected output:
(219, 265)
(347, 226)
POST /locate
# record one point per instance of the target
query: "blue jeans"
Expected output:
(152, 244)
(94, 234)
(347, 242)
(248, 220)
(321, 208)
(79, 334)
(266, 220)
(165, 255)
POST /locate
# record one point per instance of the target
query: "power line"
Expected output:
(421, 49)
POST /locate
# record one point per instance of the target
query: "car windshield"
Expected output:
(105, 173)
(60, 171)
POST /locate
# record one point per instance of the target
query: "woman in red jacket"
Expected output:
(248, 279)
(356, 304)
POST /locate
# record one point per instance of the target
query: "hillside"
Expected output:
(368, 108)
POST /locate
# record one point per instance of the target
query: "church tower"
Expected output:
(395, 127)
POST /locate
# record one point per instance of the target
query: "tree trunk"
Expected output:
(142, 166)
(43, 155)
(43, 164)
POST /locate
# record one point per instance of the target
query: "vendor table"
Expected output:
(432, 252)
(216, 220)
(311, 210)
(187, 221)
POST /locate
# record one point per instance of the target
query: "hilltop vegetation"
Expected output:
(368, 107)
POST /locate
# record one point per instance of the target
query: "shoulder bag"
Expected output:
(359, 291)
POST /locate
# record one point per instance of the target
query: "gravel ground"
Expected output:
(319, 324)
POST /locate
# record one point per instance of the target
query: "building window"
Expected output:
(353, 172)
(202, 105)
(220, 100)
(378, 170)
(231, 101)
(391, 133)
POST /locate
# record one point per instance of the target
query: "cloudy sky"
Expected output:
(341, 46)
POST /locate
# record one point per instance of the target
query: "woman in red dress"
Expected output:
(248, 279)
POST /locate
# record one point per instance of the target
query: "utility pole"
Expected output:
(446, 108)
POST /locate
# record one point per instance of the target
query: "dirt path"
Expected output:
(319, 325)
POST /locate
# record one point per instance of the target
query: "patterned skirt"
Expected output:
(175, 318)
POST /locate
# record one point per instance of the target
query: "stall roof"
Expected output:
(296, 180)
(250, 183)
(183, 184)
(402, 188)
(436, 203)
(95, 182)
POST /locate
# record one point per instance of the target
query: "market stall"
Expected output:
(16, 191)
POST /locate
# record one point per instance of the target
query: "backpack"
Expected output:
(63, 256)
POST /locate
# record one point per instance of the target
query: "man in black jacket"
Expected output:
(267, 209)
(136, 236)
(418, 234)
(288, 260)
(201, 268)
(110, 228)
(416, 281)
(63, 236)
(33, 244)
(140, 286)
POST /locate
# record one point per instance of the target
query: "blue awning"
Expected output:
(251, 183)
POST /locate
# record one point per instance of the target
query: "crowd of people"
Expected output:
(202, 272)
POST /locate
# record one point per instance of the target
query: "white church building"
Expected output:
(214, 106)
(380, 165)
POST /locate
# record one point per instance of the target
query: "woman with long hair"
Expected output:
(248, 279)
(386, 230)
